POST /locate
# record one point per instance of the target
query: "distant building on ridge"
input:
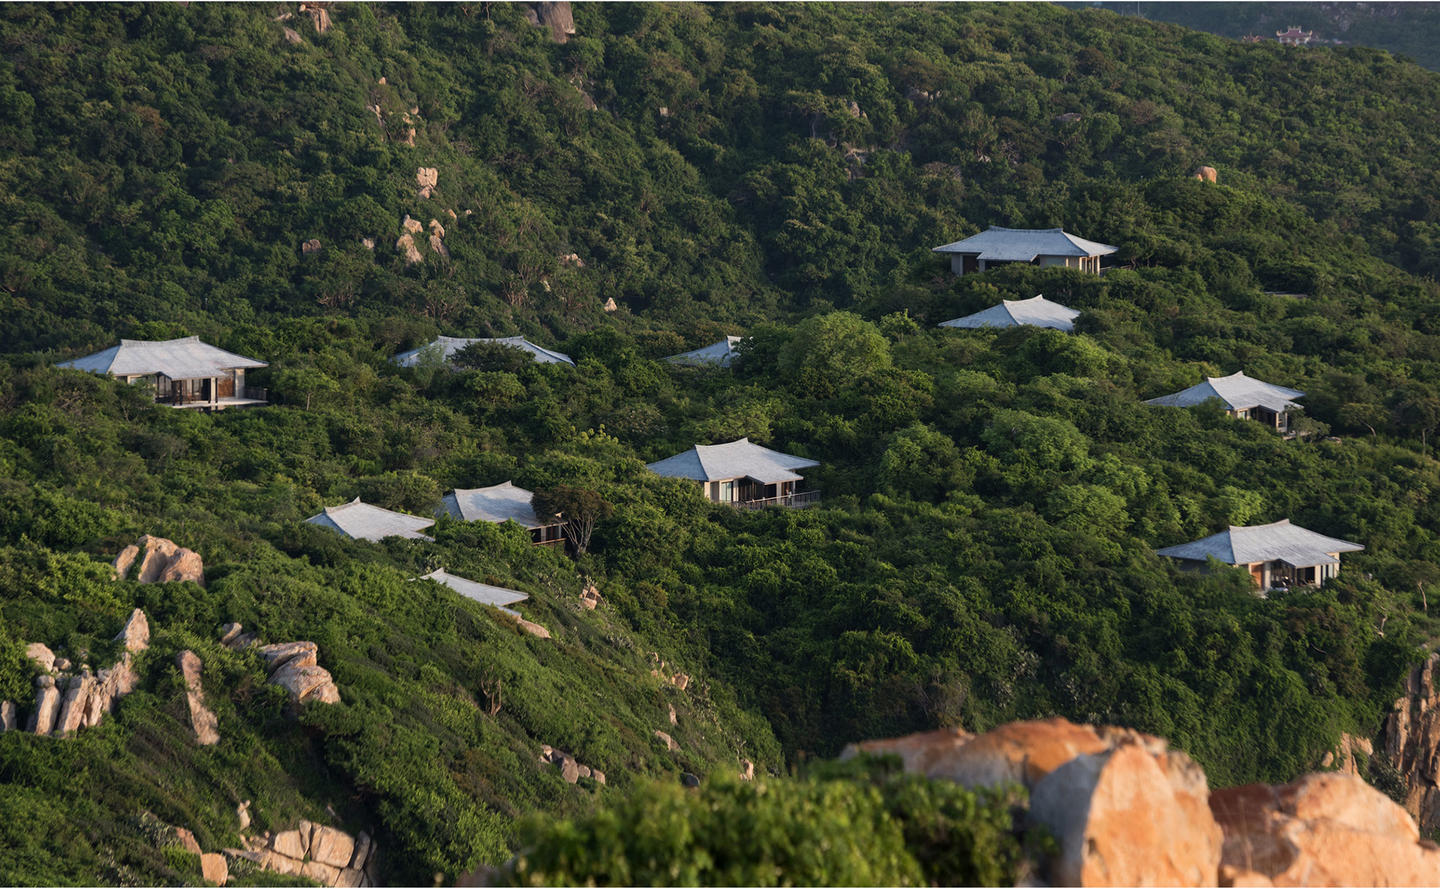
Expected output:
(1044, 247)
(1293, 36)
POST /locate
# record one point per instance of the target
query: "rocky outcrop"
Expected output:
(1350, 756)
(1410, 741)
(610, 305)
(1324, 829)
(311, 246)
(1126, 810)
(555, 16)
(202, 720)
(1206, 174)
(319, 15)
(427, 178)
(164, 562)
(668, 741)
(590, 597)
(327, 855)
(9, 721)
(570, 769)
(65, 701)
(214, 868)
(294, 666)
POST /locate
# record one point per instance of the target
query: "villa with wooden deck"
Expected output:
(1242, 397)
(1278, 555)
(363, 521)
(1046, 247)
(505, 503)
(185, 373)
(741, 473)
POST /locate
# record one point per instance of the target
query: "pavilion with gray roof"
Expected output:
(185, 372)
(719, 354)
(1243, 397)
(1037, 311)
(484, 593)
(362, 521)
(1277, 554)
(445, 348)
(1035, 246)
(504, 503)
(741, 473)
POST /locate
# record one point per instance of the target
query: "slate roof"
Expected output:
(1024, 244)
(363, 521)
(1237, 391)
(1277, 541)
(1037, 311)
(483, 593)
(737, 459)
(182, 359)
(449, 345)
(497, 503)
(721, 353)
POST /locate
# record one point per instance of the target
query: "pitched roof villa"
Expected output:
(484, 593)
(1275, 554)
(741, 473)
(720, 354)
(1242, 396)
(447, 346)
(1037, 311)
(504, 503)
(1037, 246)
(185, 372)
(362, 521)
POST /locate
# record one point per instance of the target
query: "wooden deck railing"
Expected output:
(798, 499)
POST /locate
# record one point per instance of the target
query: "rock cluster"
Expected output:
(66, 701)
(555, 16)
(163, 562)
(311, 246)
(1127, 810)
(427, 178)
(327, 855)
(294, 666)
(570, 769)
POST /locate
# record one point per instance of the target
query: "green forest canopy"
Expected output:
(991, 499)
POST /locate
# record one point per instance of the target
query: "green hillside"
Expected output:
(983, 550)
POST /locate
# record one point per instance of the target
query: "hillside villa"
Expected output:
(1046, 247)
(719, 354)
(445, 347)
(504, 503)
(185, 372)
(484, 593)
(741, 474)
(1243, 397)
(1037, 311)
(1277, 555)
(362, 521)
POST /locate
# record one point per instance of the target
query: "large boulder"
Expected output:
(213, 868)
(330, 846)
(8, 720)
(1018, 752)
(202, 720)
(1410, 741)
(165, 562)
(557, 17)
(41, 654)
(299, 654)
(73, 705)
(125, 561)
(1323, 829)
(1121, 820)
(307, 683)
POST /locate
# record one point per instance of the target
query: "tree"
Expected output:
(579, 508)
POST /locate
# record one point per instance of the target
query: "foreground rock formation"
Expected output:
(1128, 811)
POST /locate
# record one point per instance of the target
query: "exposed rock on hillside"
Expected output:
(294, 666)
(1126, 810)
(201, 719)
(327, 855)
(164, 561)
(1410, 742)
(65, 702)
(555, 16)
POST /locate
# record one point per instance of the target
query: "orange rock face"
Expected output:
(1324, 829)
